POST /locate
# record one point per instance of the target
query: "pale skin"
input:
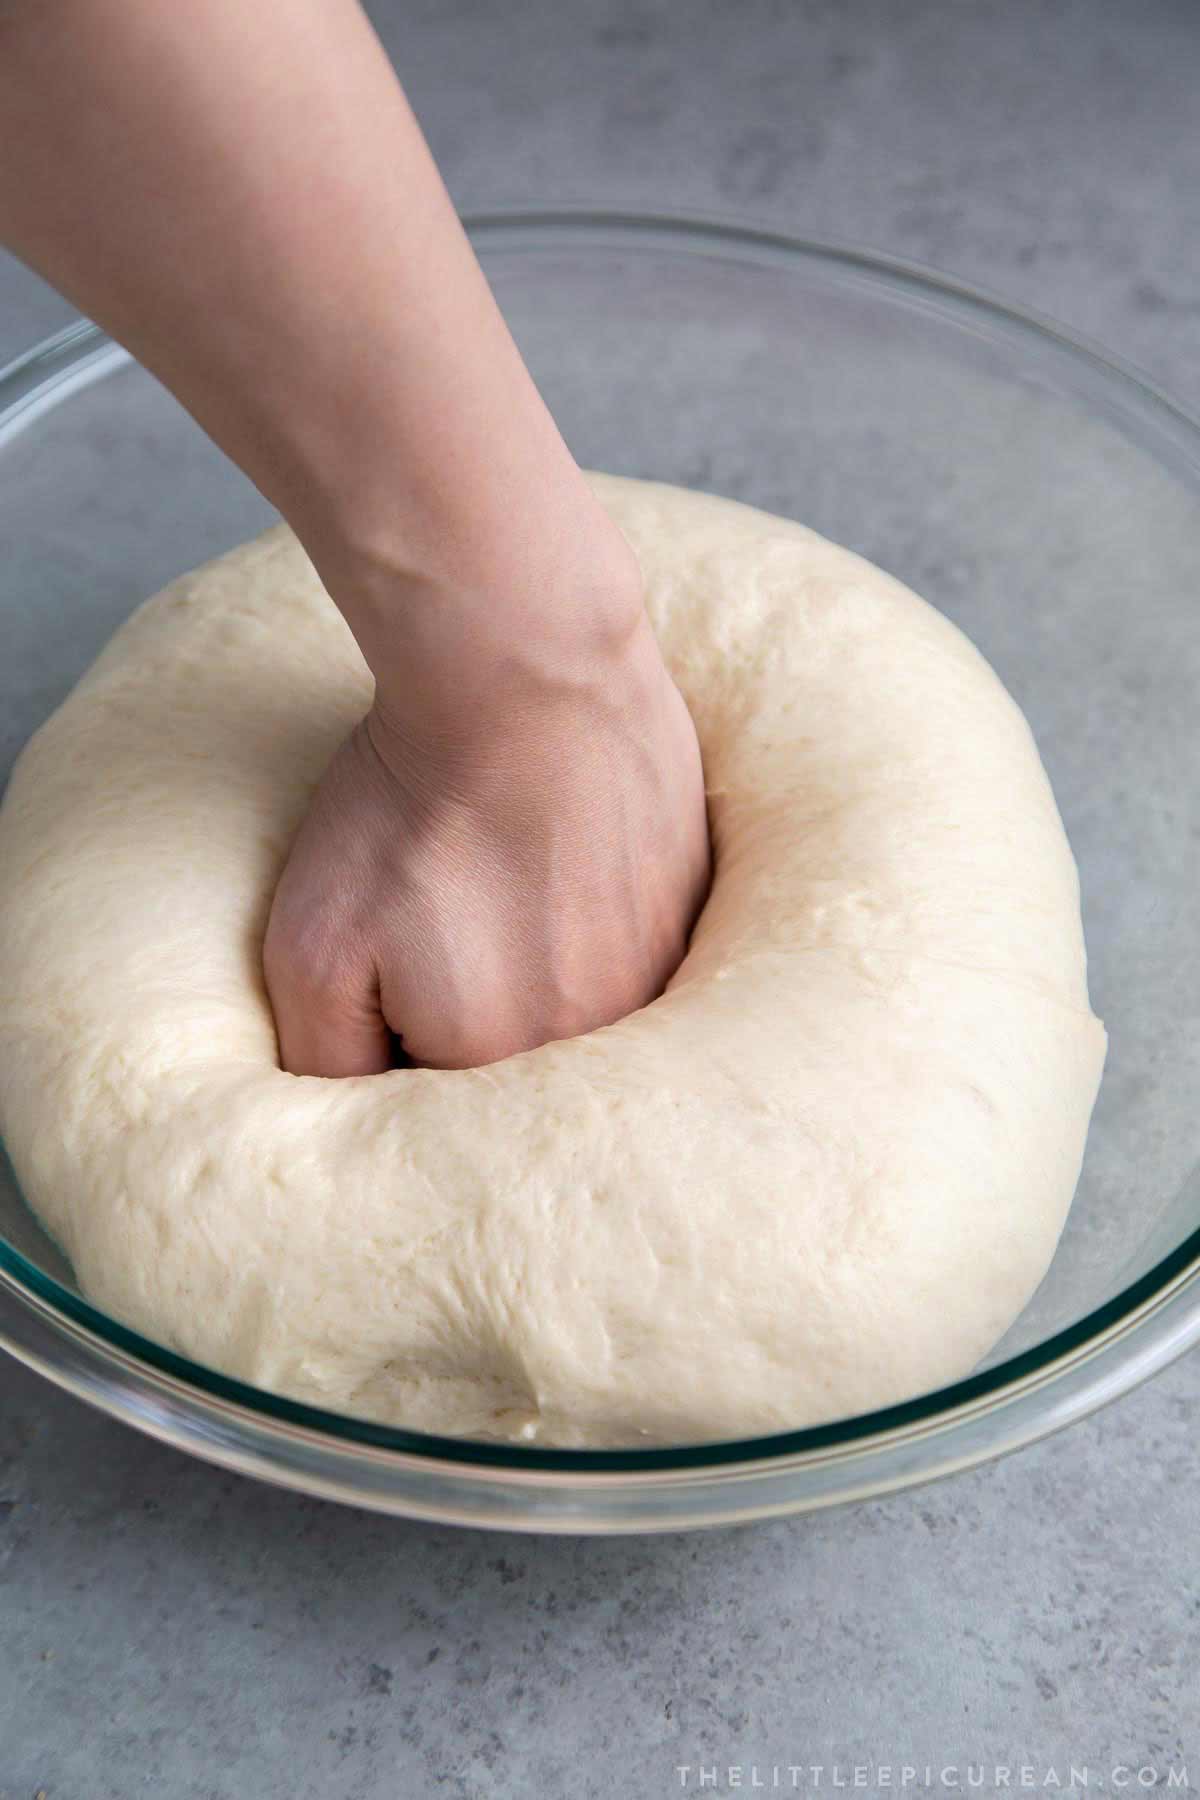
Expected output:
(512, 846)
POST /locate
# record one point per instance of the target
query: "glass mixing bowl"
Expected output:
(1041, 495)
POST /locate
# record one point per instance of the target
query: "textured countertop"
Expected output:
(168, 1629)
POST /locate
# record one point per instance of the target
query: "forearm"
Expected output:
(241, 196)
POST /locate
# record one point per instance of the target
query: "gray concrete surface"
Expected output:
(170, 1630)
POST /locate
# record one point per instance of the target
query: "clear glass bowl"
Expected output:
(1041, 495)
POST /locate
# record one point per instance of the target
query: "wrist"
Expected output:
(468, 727)
(556, 598)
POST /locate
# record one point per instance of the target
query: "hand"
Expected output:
(473, 880)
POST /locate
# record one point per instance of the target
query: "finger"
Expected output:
(440, 1030)
(328, 1029)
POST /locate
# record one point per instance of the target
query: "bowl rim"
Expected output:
(1162, 1305)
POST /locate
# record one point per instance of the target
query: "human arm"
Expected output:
(512, 846)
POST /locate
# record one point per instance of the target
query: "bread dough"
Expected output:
(822, 1173)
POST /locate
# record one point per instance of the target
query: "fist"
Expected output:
(514, 873)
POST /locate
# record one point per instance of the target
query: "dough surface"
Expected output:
(822, 1173)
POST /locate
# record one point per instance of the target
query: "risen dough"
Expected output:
(823, 1172)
